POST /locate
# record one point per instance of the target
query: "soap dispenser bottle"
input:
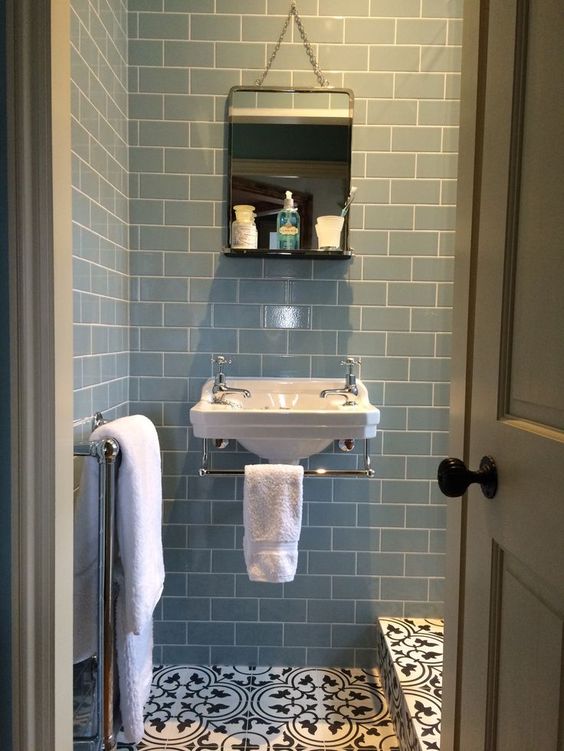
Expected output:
(288, 225)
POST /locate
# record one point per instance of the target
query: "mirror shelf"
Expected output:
(318, 255)
(289, 141)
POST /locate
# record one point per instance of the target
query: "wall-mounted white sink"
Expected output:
(284, 419)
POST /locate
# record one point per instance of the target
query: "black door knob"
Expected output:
(454, 477)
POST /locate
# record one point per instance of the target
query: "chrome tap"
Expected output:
(350, 381)
(220, 384)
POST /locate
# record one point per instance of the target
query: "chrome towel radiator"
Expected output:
(103, 736)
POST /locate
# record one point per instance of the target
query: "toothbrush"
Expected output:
(349, 200)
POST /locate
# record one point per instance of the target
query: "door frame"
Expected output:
(40, 259)
(40, 256)
(468, 186)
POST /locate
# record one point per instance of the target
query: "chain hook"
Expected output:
(308, 48)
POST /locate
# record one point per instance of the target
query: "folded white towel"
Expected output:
(272, 514)
(140, 567)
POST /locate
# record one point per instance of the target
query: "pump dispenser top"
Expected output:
(288, 201)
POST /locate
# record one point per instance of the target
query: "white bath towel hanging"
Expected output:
(140, 568)
(272, 514)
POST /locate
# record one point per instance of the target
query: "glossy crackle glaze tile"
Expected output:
(194, 708)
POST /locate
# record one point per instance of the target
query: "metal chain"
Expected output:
(309, 50)
(260, 80)
(310, 53)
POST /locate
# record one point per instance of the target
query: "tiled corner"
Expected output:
(411, 658)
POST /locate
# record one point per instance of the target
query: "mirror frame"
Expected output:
(345, 251)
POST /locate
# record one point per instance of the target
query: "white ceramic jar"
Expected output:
(244, 234)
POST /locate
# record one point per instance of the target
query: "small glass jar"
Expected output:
(244, 233)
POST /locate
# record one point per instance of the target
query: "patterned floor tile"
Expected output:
(411, 655)
(219, 708)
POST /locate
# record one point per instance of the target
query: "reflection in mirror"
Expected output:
(290, 140)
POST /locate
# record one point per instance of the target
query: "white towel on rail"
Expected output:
(135, 672)
(272, 515)
(140, 568)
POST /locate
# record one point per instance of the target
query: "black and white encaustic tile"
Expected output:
(219, 708)
(411, 659)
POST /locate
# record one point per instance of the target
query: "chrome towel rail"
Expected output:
(367, 471)
(106, 451)
(93, 422)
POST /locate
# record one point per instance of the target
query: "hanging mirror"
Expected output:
(296, 140)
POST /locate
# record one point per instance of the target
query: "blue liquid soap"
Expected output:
(288, 225)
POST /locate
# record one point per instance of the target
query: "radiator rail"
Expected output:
(106, 451)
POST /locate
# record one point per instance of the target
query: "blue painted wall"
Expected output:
(5, 507)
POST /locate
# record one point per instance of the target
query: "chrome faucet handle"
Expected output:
(350, 382)
(350, 376)
(350, 363)
(220, 361)
(220, 382)
(219, 378)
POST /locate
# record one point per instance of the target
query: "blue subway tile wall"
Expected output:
(368, 548)
(99, 141)
(152, 306)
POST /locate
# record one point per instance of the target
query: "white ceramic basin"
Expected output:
(284, 419)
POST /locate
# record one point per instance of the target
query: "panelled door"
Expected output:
(511, 679)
